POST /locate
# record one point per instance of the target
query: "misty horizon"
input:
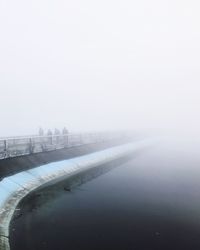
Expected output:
(99, 66)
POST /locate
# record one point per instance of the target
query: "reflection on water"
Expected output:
(150, 202)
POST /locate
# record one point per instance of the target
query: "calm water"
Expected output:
(151, 202)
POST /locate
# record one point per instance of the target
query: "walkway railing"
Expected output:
(18, 146)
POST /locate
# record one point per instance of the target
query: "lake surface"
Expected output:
(151, 202)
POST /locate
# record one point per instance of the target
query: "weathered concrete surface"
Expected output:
(14, 188)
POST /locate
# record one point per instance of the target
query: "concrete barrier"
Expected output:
(14, 188)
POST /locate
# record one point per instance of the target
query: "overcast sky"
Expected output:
(92, 65)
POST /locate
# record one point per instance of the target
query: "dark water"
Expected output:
(150, 202)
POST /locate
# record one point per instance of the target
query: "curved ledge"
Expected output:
(14, 188)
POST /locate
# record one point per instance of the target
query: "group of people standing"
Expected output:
(56, 132)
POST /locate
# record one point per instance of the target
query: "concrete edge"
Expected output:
(14, 188)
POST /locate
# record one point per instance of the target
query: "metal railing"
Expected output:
(18, 146)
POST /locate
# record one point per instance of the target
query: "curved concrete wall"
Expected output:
(18, 164)
(14, 188)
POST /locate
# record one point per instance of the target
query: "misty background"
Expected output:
(99, 65)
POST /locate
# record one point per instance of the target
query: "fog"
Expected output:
(99, 65)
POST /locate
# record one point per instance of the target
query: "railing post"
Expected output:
(30, 146)
(65, 137)
(5, 149)
(51, 139)
(57, 141)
